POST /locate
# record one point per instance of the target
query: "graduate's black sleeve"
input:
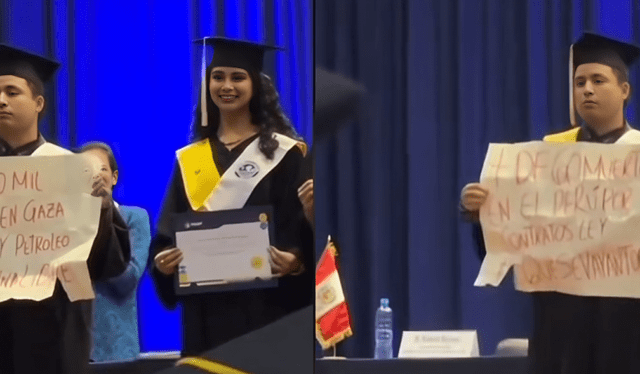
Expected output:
(111, 250)
(478, 239)
(306, 230)
(306, 171)
(292, 231)
(473, 217)
(174, 202)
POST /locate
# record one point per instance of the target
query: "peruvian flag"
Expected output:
(332, 315)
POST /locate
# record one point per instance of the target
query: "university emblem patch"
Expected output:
(247, 170)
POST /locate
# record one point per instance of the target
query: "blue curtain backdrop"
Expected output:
(130, 76)
(444, 78)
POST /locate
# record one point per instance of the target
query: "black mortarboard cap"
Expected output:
(237, 53)
(337, 100)
(594, 48)
(242, 54)
(282, 347)
(14, 61)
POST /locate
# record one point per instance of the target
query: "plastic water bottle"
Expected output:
(384, 331)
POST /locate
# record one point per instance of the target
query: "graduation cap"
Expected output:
(594, 48)
(283, 347)
(243, 54)
(337, 99)
(23, 64)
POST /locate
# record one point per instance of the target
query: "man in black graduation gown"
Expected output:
(52, 335)
(579, 334)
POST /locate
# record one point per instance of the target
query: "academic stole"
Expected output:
(207, 190)
(571, 136)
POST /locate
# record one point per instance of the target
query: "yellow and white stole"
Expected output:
(48, 149)
(207, 190)
(630, 137)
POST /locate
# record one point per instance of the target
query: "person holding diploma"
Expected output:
(52, 335)
(241, 123)
(115, 319)
(580, 334)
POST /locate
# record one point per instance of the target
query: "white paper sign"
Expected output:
(48, 222)
(438, 344)
(566, 216)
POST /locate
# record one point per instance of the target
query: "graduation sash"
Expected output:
(207, 190)
(630, 137)
(48, 149)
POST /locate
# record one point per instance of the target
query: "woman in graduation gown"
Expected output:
(584, 334)
(241, 124)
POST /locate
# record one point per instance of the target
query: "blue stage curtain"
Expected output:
(130, 76)
(444, 78)
(361, 181)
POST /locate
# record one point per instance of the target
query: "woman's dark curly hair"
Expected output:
(265, 110)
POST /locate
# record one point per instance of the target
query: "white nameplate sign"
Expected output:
(439, 344)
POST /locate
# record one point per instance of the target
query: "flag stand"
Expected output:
(334, 357)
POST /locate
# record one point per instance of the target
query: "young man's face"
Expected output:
(18, 107)
(598, 96)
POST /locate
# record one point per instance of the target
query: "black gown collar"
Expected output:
(23, 150)
(588, 135)
(223, 157)
(237, 148)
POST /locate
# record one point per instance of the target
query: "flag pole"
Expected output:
(334, 357)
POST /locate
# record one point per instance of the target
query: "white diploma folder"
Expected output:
(224, 250)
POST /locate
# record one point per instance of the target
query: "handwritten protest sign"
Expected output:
(565, 216)
(48, 223)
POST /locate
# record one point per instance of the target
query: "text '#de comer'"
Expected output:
(566, 168)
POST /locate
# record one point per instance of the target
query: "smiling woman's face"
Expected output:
(231, 88)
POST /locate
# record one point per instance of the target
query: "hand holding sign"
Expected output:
(473, 195)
